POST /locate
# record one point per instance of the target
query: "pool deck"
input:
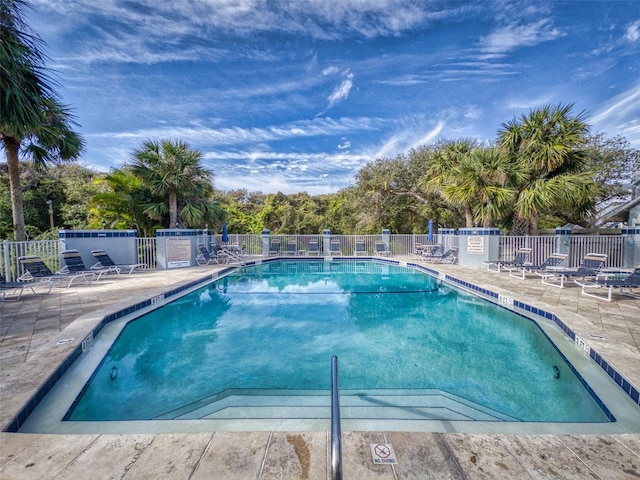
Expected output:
(31, 328)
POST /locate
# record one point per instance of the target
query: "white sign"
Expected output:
(475, 245)
(382, 453)
(178, 251)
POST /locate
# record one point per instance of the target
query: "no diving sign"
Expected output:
(383, 453)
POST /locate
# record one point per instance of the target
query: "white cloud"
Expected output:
(341, 92)
(513, 36)
(619, 116)
(633, 32)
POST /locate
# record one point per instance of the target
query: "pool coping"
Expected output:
(518, 307)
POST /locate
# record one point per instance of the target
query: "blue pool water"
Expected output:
(276, 326)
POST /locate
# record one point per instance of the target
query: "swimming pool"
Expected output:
(257, 345)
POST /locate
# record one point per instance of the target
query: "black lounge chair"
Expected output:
(554, 260)
(628, 282)
(450, 256)
(73, 263)
(429, 251)
(590, 267)
(360, 248)
(334, 248)
(204, 257)
(34, 268)
(274, 246)
(382, 250)
(314, 247)
(105, 261)
(519, 260)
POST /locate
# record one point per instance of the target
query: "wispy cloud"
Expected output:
(620, 115)
(341, 92)
(510, 37)
(632, 33)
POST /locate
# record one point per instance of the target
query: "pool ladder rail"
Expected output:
(336, 435)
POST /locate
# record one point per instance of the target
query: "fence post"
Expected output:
(631, 247)
(326, 241)
(385, 238)
(265, 242)
(563, 242)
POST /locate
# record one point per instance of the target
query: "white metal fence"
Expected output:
(542, 246)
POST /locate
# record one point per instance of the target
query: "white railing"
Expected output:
(10, 252)
(542, 246)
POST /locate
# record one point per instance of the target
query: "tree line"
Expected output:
(455, 183)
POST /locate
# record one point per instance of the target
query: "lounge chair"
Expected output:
(73, 263)
(554, 260)
(274, 246)
(360, 248)
(382, 250)
(590, 267)
(105, 261)
(520, 259)
(16, 289)
(429, 251)
(292, 248)
(204, 257)
(314, 247)
(334, 248)
(34, 268)
(450, 256)
(628, 282)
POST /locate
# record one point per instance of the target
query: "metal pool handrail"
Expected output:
(336, 435)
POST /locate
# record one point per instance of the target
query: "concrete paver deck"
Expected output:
(31, 328)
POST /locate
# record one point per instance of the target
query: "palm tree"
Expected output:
(549, 142)
(32, 121)
(121, 203)
(449, 155)
(475, 178)
(173, 172)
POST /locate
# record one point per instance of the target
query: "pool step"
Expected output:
(391, 405)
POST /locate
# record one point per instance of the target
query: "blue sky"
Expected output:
(298, 95)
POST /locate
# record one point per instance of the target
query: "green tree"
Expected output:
(444, 170)
(32, 120)
(549, 142)
(174, 174)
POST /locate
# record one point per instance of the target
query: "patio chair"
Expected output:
(449, 256)
(520, 259)
(204, 257)
(105, 261)
(314, 247)
(16, 289)
(359, 248)
(429, 251)
(334, 248)
(73, 263)
(590, 267)
(554, 260)
(34, 268)
(381, 249)
(622, 281)
(274, 246)
(292, 247)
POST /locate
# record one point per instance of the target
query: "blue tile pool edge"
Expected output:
(489, 295)
(510, 303)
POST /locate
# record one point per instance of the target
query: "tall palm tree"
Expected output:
(32, 121)
(449, 155)
(549, 141)
(173, 172)
(478, 179)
